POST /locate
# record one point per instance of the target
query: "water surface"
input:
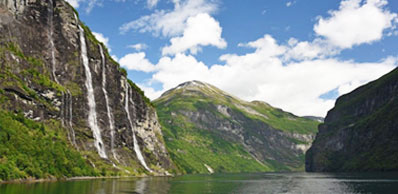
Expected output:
(220, 183)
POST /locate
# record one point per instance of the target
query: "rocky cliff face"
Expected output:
(361, 132)
(209, 130)
(53, 69)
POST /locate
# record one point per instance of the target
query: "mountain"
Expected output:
(319, 119)
(361, 132)
(207, 130)
(66, 107)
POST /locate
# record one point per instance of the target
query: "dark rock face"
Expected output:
(42, 75)
(361, 132)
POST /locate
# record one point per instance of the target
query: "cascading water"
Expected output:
(62, 112)
(50, 37)
(70, 103)
(108, 108)
(136, 146)
(92, 116)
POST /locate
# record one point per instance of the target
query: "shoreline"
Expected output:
(32, 180)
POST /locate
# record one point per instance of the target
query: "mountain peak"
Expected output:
(195, 87)
(193, 83)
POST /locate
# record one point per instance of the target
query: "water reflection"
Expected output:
(221, 183)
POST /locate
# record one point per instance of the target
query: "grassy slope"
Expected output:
(191, 148)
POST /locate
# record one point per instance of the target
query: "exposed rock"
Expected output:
(43, 76)
(361, 132)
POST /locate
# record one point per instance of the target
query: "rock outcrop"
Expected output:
(361, 132)
(53, 69)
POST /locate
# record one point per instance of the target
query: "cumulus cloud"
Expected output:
(170, 23)
(137, 62)
(305, 50)
(138, 47)
(100, 37)
(201, 30)
(263, 75)
(356, 22)
(292, 75)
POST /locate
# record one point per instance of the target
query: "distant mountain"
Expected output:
(361, 132)
(206, 130)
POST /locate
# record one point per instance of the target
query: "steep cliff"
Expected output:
(361, 132)
(56, 75)
(207, 130)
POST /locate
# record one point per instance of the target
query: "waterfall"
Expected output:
(108, 108)
(50, 37)
(92, 116)
(136, 146)
(62, 111)
(67, 115)
(70, 118)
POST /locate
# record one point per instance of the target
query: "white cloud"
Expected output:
(263, 75)
(138, 47)
(356, 22)
(90, 4)
(136, 61)
(292, 75)
(74, 3)
(173, 71)
(304, 50)
(150, 92)
(201, 30)
(170, 23)
(152, 3)
(100, 37)
(114, 57)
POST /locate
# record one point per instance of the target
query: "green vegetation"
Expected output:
(192, 144)
(36, 71)
(32, 149)
(364, 122)
(138, 89)
(279, 119)
(90, 36)
(191, 148)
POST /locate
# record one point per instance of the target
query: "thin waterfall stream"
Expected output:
(108, 108)
(136, 146)
(92, 116)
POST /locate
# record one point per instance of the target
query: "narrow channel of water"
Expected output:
(384, 183)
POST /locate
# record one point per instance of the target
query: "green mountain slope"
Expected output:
(207, 129)
(361, 132)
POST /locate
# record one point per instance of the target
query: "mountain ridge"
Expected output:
(196, 110)
(360, 132)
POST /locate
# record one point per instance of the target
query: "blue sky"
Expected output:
(299, 55)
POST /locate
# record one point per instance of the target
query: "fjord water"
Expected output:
(220, 183)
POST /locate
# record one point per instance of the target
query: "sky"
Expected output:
(298, 55)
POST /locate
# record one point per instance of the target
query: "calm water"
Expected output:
(221, 183)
